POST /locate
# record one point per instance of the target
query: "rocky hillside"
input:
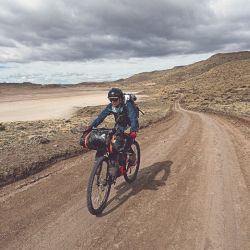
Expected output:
(181, 73)
(220, 83)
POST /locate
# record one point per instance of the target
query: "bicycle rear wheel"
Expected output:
(133, 162)
(99, 185)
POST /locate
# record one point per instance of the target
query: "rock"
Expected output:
(52, 131)
(21, 127)
(38, 139)
(39, 125)
(74, 130)
(2, 127)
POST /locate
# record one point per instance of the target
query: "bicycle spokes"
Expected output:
(100, 186)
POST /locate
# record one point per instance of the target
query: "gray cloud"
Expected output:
(83, 30)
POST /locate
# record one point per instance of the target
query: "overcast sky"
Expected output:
(54, 41)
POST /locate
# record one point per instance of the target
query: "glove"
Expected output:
(87, 129)
(132, 135)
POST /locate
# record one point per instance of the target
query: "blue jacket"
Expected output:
(126, 114)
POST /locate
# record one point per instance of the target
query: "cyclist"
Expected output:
(125, 117)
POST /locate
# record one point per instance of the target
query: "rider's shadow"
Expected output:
(150, 178)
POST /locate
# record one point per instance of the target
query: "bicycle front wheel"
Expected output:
(99, 185)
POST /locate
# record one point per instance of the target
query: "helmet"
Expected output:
(115, 92)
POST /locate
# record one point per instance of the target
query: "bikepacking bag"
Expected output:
(133, 98)
(96, 139)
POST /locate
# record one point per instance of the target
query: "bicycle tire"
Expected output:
(94, 173)
(132, 178)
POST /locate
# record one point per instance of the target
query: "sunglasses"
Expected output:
(114, 99)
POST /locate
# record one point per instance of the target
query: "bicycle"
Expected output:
(100, 178)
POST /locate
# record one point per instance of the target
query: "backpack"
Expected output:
(133, 98)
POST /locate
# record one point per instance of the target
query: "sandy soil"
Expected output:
(192, 192)
(51, 103)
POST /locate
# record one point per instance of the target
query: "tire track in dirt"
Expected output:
(192, 192)
(225, 196)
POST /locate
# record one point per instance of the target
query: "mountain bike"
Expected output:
(100, 179)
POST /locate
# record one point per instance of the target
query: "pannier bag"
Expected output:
(97, 138)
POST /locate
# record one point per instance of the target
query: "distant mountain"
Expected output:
(220, 83)
(184, 73)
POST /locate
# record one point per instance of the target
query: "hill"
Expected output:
(220, 83)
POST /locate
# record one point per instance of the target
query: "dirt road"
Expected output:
(192, 192)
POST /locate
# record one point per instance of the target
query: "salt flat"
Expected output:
(33, 105)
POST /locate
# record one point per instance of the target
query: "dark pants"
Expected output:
(121, 146)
